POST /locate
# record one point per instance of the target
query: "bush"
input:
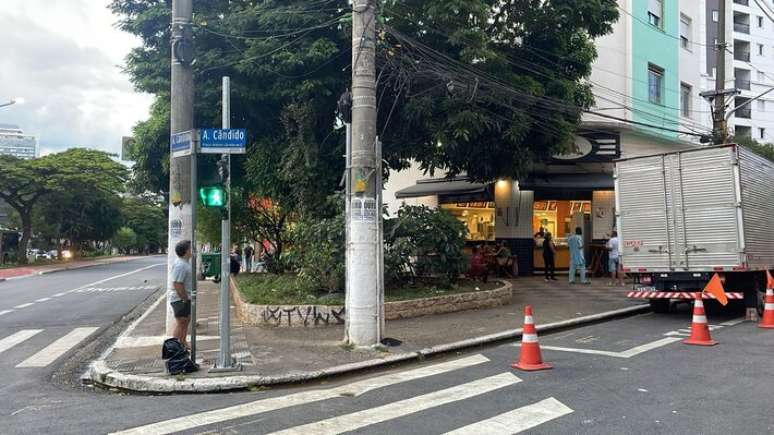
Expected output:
(422, 242)
(317, 253)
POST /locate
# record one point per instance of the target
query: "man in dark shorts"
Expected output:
(179, 295)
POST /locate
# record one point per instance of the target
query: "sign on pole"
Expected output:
(182, 144)
(222, 140)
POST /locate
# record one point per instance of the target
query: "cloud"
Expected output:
(66, 63)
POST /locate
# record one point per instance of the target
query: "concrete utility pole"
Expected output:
(225, 361)
(364, 311)
(720, 126)
(181, 198)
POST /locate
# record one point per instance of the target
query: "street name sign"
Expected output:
(182, 144)
(222, 140)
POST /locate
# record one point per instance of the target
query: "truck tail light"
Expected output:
(646, 279)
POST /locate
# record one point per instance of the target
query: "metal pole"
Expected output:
(181, 119)
(195, 277)
(364, 317)
(721, 131)
(347, 213)
(224, 359)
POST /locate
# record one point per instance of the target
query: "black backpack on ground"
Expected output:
(178, 360)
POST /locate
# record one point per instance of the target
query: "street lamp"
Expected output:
(17, 100)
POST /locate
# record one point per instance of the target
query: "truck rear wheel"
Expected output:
(760, 302)
(660, 305)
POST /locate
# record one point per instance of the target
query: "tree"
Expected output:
(148, 220)
(484, 87)
(125, 239)
(22, 184)
(765, 150)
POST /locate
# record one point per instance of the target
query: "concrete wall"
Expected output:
(402, 179)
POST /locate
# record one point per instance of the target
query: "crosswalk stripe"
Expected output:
(360, 419)
(266, 405)
(14, 339)
(518, 420)
(50, 353)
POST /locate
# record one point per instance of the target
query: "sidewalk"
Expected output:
(272, 355)
(32, 270)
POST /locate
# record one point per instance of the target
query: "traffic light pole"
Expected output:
(225, 362)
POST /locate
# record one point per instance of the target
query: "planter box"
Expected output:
(309, 316)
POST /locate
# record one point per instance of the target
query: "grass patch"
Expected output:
(271, 289)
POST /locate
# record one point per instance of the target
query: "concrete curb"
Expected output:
(100, 374)
(68, 268)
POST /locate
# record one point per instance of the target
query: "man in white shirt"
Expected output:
(614, 263)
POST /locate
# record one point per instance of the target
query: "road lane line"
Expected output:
(578, 350)
(648, 346)
(5, 312)
(266, 405)
(18, 307)
(402, 408)
(58, 295)
(43, 299)
(50, 353)
(733, 322)
(14, 339)
(518, 420)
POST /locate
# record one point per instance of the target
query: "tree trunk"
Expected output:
(21, 251)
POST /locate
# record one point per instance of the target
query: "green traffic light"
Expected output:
(212, 196)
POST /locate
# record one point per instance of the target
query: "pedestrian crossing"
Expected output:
(55, 345)
(459, 396)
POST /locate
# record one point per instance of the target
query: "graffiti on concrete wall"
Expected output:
(308, 315)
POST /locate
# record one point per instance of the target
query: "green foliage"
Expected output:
(125, 239)
(289, 61)
(284, 289)
(148, 220)
(423, 242)
(317, 253)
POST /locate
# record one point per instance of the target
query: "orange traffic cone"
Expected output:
(530, 358)
(700, 334)
(768, 311)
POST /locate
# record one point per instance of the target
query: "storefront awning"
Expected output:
(567, 182)
(445, 187)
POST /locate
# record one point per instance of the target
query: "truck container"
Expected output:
(684, 216)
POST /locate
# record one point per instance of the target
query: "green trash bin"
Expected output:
(210, 266)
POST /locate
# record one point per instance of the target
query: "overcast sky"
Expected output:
(64, 58)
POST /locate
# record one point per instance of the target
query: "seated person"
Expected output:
(477, 267)
(504, 260)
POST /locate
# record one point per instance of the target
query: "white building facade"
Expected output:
(14, 142)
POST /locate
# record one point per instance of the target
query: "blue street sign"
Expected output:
(181, 144)
(222, 140)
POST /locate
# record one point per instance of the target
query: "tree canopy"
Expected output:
(484, 87)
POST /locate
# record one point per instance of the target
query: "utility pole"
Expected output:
(181, 198)
(364, 311)
(720, 126)
(225, 362)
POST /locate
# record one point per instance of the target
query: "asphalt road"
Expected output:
(630, 376)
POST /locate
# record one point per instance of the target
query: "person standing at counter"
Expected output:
(577, 261)
(549, 257)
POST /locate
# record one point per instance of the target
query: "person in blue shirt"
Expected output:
(577, 262)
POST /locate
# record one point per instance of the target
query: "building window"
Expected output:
(714, 16)
(761, 105)
(760, 49)
(762, 133)
(685, 100)
(655, 12)
(685, 32)
(760, 22)
(655, 83)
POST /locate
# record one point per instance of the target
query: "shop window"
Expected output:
(478, 217)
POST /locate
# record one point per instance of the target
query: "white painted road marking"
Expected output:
(50, 353)
(266, 405)
(518, 420)
(733, 322)
(5, 312)
(360, 419)
(43, 300)
(18, 307)
(14, 339)
(144, 341)
(625, 354)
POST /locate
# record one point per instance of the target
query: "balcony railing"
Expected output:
(742, 55)
(742, 28)
(744, 113)
(742, 84)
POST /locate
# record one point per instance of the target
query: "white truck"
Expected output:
(684, 216)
